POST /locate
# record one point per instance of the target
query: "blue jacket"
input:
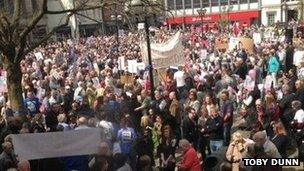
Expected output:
(273, 65)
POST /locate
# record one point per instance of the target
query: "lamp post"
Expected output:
(201, 12)
(142, 9)
(116, 18)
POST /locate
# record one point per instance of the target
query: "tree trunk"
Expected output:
(14, 77)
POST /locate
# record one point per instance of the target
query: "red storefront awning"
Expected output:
(233, 16)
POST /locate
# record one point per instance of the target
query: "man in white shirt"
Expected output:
(299, 113)
(179, 77)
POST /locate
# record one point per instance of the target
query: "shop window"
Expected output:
(271, 18)
(179, 4)
(253, 1)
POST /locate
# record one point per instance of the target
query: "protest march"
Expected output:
(219, 96)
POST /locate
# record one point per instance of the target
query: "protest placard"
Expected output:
(39, 56)
(166, 54)
(221, 43)
(246, 43)
(56, 144)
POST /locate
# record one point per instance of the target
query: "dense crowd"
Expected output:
(201, 107)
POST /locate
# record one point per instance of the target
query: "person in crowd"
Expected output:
(280, 139)
(7, 157)
(31, 103)
(190, 160)
(192, 101)
(62, 120)
(23, 165)
(51, 117)
(260, 139)
(273, 66)
(126, 136)
(214, 129)
(189, 127)
(236, 150)
(166, 149)
(179, 78)
(227, 115)
(121, 162)
(298, 120)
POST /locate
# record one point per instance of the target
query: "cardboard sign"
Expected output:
(221, 43)
(39, 56)
(126, 79)
(246, 43)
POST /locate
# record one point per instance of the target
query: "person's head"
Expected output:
(144, 163)
(214, 111)
(296, 105)
(120, 159)
(224, 95)
(24, 165)
(101, 164)
(157, 95)
(208, 99)
(279, 129)
(260, 138)
(172, 95)
(30, 94)
(7, 147)
(191, 113)
(159, 119)
(192, 94)
(258, 104)
(56, 107)
(237, 137)
(62, 118)
(166, 132)
(286, 89)
(184, 144)
(145, 121)
(82, 121)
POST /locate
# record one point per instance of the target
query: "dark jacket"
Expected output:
(6, 161)
(214, 127)
(51, 121)
(190, 131)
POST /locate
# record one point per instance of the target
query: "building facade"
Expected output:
(281, 11)
(185, 12)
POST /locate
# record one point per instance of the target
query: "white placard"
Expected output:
(56, 144)
(39, 56)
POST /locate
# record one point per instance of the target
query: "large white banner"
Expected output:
(170, 53)
(57, 144)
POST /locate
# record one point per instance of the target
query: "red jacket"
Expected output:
(190, 161)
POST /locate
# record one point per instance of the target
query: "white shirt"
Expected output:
(180, 79)
(299, 116)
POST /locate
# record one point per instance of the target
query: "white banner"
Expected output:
(170, 53)
(57, 144)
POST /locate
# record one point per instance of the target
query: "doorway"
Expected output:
(292, 15)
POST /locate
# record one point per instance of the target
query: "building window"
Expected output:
(187, 4)
(224, 2)
(196, 3)
(243, 1)
(170, 4)
(205, 3)
(271, 18)
(214, 3)
(233, 2)
(253, 1)
(179, 4)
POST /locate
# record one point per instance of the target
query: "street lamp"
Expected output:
(143, 10)
(116, 18)
(201, 13)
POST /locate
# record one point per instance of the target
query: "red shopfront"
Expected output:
(244, 18)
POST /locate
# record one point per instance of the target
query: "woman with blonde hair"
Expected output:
(280, 138)
(236, 150)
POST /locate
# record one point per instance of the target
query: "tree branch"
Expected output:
(35, 20)
(44, 39)
(17, 12)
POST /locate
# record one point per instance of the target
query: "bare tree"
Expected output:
(13, 41)
(14, 36)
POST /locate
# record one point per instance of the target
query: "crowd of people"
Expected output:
(76, 85)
